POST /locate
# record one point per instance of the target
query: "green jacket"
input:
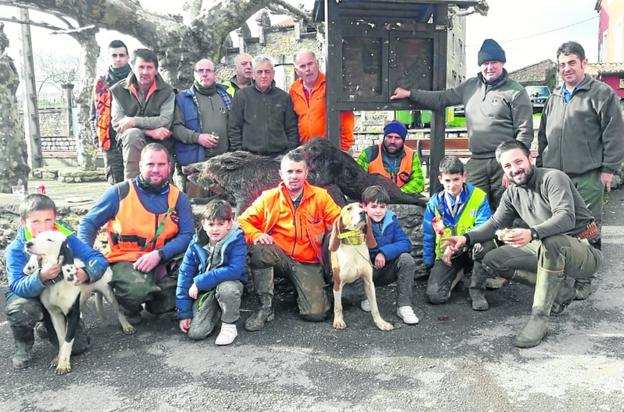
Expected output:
(585, 134)
(494, 114)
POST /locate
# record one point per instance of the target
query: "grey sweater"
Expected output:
(548, 203)
(494, 114)
(585, 134)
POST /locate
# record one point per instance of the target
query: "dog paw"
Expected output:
(383, 325)
(128, 329)
(339, 324)
(63, 369)
(54, 362)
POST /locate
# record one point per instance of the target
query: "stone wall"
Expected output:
(410, 218)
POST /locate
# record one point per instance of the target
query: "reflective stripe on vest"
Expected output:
(131, 233)
(405, 169)
(466, 221)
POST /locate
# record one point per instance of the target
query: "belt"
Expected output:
(591, 231)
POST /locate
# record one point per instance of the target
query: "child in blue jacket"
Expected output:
(211, 277)
(23, 307)
(391, 258)
(454, 210)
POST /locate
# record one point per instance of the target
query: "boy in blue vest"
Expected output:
(211, 278)
(23, 308)
(454, 210)
(391, 258)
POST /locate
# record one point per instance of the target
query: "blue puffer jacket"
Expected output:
(232, 266)
(29, 286)
(437, 202)
(390, 237)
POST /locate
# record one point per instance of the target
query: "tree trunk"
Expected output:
(85, 139)
(13, 153)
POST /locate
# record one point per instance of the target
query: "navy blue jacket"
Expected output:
(232, 266)
(390, 237)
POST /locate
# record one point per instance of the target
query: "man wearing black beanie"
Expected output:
(497, 108)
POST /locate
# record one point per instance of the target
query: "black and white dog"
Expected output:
(64, 298)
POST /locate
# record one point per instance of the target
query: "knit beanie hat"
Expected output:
(396, 127)
(491, 51)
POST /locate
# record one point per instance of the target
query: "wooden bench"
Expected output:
(455, 146)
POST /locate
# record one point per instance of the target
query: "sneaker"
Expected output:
(407, 315)
(227, 334)
(365, 305)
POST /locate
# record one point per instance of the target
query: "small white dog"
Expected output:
(64, 298)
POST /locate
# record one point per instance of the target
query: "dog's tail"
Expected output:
(99, 306)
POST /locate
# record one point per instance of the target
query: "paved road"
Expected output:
(455, 359)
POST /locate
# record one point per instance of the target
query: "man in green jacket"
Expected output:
(582, 133)
(498, 110)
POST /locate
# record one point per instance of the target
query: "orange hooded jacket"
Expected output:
(298, 232)
(312, 114)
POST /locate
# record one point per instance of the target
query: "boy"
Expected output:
(391, 258)
(23, 308)
(454, 210)
(212, 275)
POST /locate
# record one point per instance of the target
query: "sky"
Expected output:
(528, 30)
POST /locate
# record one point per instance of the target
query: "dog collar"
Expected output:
(352, 237)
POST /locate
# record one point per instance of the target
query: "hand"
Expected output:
(81, 277)
(605, 178)
(158, 134)
(505, 181)
(193, 291)
(454, 243)
(185, 325)
(264, 239)
(447, 256)
(147, 262)
(124, 124)
(49, 272)
(400, 93)
(516, 237)
(208, 140)
(380, 261)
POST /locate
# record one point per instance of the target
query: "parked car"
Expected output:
(538, 96)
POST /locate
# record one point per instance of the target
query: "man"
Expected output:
(394, 160)
(262, 120)
(142, 109)
(555, 245)
(285, 228)
(243, 77)
(200, 117)
(498, 110)
(308, 98)
(101, 111)
(148, 222)
(581, 131)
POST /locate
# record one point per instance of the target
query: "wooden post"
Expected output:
(31, 112)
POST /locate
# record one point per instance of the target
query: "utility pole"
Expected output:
(31, 113)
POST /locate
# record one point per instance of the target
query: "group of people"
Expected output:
(544, 222)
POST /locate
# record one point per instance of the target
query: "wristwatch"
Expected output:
(534, 234)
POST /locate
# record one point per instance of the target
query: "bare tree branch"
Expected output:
(295, 11)
(31, 22)
(76, 30)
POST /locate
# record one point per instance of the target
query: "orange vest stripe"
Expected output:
(131, 233)
(376, 166)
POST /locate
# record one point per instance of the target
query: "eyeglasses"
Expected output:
(115, 55)
(204, 71)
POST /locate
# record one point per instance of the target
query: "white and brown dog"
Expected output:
(349, 241)
(64, 298)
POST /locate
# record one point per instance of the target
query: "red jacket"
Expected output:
(312, 114)
(298, 232)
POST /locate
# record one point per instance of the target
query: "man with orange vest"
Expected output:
(394, 160)
(148, 223)
(308, 98)
(284, 228)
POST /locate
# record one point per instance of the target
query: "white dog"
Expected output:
(64, 298)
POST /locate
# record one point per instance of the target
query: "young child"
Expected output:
(454, 210)
(211, 277)
(391, 258)
(23, 308)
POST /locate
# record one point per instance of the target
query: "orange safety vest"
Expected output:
(135, 231)
(405, 170)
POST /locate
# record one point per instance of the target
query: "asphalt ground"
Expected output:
(455, 359)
